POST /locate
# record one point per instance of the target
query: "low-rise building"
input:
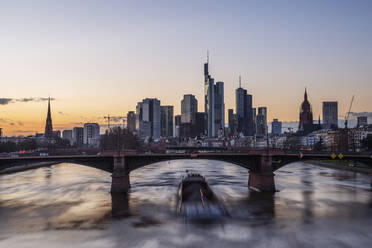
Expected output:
(78, 136)
(67, 135)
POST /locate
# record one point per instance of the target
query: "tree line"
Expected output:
(29, 144)
(121, 138)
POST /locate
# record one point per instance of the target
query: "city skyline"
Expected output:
(92, 71)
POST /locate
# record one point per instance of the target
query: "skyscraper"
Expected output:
(330, 115)
(261, 121)
(131, 121)
(148, 118)
(219, 109)
(78, 136)
(244, 111)
(276, 127)
(208, 101)
(306, 116)
(189, 106)
(166, 123)
(48, 124)
(214, 106)
(198, 125)
(177, 126)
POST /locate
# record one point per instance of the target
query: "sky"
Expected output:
(96, 58)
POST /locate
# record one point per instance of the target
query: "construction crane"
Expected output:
(115, 119)
(348, 113)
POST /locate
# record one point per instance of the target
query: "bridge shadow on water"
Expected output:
(256, 209)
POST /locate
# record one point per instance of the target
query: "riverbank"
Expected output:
(26, 167)
(341, 165)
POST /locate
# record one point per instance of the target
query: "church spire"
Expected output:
(49, 114)
(48, 124)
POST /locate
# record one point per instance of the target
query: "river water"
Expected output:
(69, 205)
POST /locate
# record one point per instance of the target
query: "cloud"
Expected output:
(11, 122)
(25, 131)
(77, 123)
(25, 100)
(34, 99)
(357, 114)
(62, 113)
(5, 101)
(43, 99)
(5, 121)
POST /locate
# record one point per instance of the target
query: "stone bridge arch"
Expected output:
(136, 162)
(261, 176)
(105, 163)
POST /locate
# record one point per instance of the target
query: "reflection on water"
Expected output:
(70, 205)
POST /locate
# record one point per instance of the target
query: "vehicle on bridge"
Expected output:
(197, 201)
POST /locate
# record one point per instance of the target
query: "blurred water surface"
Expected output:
(70, 205)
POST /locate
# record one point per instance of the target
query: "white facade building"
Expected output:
(91, 134)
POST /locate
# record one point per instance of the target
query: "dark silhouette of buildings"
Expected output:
(232, 122)
(48, 125)
(195, 128)
(131, 121)
(306, 116)
(78, 136)
(261, 121)
(198, 124)
(244, 111)
(330, 115)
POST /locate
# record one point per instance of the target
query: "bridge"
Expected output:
(260, 164)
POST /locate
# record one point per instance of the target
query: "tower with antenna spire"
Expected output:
(214, 105)
(208, 101)
(48, 124)
(244, 111)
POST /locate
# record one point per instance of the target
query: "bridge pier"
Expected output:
(262, 180)
(120, 182)
(119, 205)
